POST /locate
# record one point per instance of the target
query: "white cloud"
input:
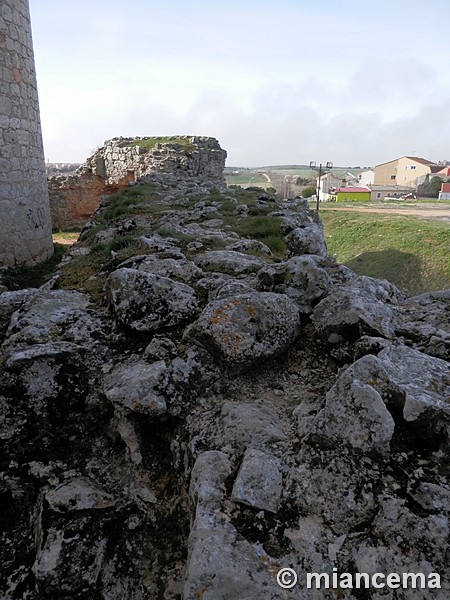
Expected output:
(352, 82)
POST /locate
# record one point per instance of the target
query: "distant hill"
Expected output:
(292, 168)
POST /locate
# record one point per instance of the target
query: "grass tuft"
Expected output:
(150, 142)
(267, 230)
(129, 201)
(88, 273)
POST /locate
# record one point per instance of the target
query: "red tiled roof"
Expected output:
(422, 161)
(445, 171)
(418, 159)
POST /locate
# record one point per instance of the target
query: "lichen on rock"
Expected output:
(242, 330)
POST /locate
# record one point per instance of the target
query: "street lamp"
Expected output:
(322, 169)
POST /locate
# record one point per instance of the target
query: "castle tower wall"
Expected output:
(25, 225)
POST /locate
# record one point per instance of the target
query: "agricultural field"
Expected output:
(305, 172)
(246, 179)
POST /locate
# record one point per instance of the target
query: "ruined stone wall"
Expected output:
(186, 157)
(74, 198)
(121, 161)
(25, 232)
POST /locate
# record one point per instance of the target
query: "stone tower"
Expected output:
(25, 226)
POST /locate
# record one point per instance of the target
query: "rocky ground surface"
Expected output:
(201, 396)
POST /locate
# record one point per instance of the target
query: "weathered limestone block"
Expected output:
(78, 494)
(186, 377)
(231, 288)
(245, 245)
(296, 213)
(353, 400)
(177, 269)
(424, 384)
(208, 476)
(303, 229)
(134, 385)
(221, 564)
(305, 281)
(203, 234)
(48, 316)
(51, 341)
(399, 380)
(229, 262)
(160, 348)
(259, 481)
(432, 497)
(242, 330)
(385, 558)
(245, 425)
(41, 369)
(306, 240)
(425, 321)
(418, 536)
(63, 564)
(216, 285)
(148, 302)
(301, 278)
(333, 485)
(9, 303)
(363, 306)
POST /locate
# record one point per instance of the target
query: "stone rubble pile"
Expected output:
(223, 414)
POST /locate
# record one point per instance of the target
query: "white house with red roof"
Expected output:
(444, 194)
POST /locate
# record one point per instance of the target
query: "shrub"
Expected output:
(307, 192)
(266, 229)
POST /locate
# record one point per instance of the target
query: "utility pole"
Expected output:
(322, 170)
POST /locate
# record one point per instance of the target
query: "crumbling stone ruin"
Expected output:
(201, 396)
(25, 232)
(121, 161)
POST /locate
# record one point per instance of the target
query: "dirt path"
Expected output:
(66, 239)
(427, 213)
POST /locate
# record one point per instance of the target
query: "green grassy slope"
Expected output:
(410, 252)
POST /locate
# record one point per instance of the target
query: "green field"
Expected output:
(245, 179)
(411, 252)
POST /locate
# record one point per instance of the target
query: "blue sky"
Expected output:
(348, 81)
